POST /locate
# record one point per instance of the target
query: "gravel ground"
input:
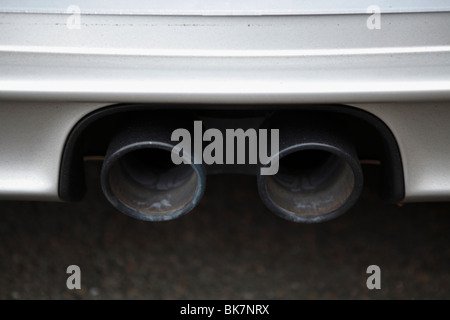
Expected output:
(229, 247)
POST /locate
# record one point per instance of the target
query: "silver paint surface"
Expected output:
(219, 7)
(32, 138)
(51, 76)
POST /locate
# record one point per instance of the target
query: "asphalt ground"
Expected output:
(229, 247)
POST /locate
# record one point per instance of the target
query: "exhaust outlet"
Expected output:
(139, 178)
(319, 175)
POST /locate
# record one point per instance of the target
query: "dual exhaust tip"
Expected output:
(319, 175)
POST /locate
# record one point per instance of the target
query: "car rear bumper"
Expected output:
(51, 76)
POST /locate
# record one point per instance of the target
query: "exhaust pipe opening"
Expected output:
(310, 184)
(147, 181)
(140, 179)
(319, 176)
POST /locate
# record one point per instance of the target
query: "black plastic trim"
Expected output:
(72, 181)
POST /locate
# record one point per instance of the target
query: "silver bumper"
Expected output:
(51, 76)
